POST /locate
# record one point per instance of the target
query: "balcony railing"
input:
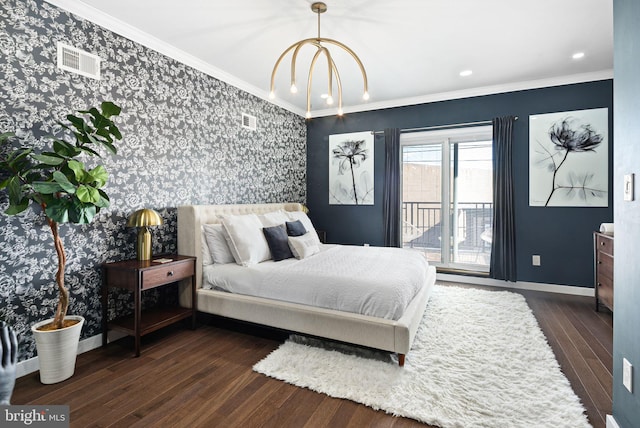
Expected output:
(422, 225)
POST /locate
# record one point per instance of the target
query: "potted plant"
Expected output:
(66, 191)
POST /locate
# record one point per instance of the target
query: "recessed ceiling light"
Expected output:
(578, 55)
(466, 73)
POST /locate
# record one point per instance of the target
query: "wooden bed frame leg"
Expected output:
(401, 360)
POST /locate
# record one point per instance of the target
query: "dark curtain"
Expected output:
(391, 198)
(503, 248)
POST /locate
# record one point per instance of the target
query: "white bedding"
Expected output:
(372, 281)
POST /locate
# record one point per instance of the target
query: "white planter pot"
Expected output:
(57, 350)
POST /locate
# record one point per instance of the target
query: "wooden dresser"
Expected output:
(603, 269)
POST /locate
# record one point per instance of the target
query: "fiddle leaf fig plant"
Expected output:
(59, 182)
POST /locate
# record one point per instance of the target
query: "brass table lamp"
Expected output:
(143, 219)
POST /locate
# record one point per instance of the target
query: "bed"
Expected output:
(393, 335)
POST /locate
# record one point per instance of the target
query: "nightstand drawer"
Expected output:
(165, 274)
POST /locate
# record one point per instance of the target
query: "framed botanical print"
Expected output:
(568, 159)
(351, 168)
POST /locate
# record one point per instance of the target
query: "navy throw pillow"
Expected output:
(278, 242)
(295, 228)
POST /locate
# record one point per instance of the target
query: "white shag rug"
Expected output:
(479, 360)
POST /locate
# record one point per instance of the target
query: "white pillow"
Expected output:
(245, 238)
(206, 255)
(306, 222)
(217, 244)
(275, 218)
(303, 246)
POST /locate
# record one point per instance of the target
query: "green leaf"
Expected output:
(100, 175)
(88, 194)
(110, 109)
(110, 146)
(58, 211)
(90, 151)
(81, 213)
(92, 139)
(14, 186)
(78, 170)
(47, 187)
(77, 122)
(99, 121)
(64, 182)
(104, 200)
(65, 149)
(82, 138)
(14, 209)
(115, 132)
(17, 160)
(50, 160)
(6, 136)
(88, 213)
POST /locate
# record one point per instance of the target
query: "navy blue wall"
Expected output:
(562, 236)
(626, 315)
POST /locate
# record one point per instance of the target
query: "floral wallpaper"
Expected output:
(183, 143)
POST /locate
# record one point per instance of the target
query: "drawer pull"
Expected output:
(602, 243)
(599, 262)
(170, 273)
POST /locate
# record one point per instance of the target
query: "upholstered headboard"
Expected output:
(192, 217)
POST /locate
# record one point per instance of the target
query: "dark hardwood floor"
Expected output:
(186, 378)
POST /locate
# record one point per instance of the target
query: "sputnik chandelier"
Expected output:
(319, 8)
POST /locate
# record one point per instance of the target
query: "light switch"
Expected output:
(627, 374)
(628, 187)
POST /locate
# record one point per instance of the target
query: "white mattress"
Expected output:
(372, 281)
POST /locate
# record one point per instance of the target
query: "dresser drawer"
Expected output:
(604, 244)
(604, 290)
(605, 265)
(166, 274)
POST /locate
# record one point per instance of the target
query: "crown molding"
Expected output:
(474, 92)
(98, 17)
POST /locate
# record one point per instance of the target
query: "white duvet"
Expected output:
(373, 281)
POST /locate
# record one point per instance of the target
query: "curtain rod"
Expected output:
(453, 125)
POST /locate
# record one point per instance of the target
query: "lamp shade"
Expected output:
(144, 217)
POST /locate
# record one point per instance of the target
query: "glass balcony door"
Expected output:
(447, 196)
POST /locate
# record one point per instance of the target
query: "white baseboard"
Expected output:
(518, 285)
(611, 422)
(31, 365)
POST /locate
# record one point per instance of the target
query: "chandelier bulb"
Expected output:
(329, 100)
(272, 95)
(365, 96)
(294, 88)
(308, 115)
(340, 112)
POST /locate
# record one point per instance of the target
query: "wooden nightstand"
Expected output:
(139, 276)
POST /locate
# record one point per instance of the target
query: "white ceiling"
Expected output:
(413, 50)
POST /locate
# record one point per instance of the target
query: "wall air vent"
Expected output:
(249, 122)
(78, 61)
